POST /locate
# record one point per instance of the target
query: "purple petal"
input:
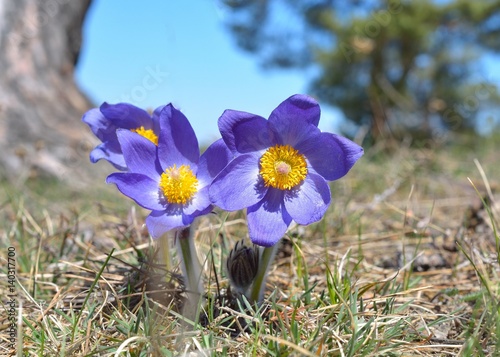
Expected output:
(156, 119)
(200, 203)
(244, 132)
(142, 189)
(308, 202)
(293, 131)
(177, 143)
(296, 112)
(114, 157)
(139, 153)
(212, 161)
(127, 116)
(238, 185)
(160, 222)
(331, 156)
(102, 128)
(268, 220)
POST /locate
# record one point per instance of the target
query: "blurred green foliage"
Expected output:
(396, 68)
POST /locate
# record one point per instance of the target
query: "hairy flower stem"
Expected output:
(266, 258)
(191, 270)
(165, 244)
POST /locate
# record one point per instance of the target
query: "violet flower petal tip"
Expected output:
(351, 151)
(298, 106)
(102, 152)
(127, 116)
(177, 142)
(199, 204)
(308, 203)
(139, 153)
(160, 222)
(100, 126)
(330, 155)
(92, 117)
(267, 223)
(243, 132)
(212, 161)
(142, 189)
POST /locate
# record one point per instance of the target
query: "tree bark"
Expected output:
(40, 104)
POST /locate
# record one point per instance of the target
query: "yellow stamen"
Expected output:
(147, 133)
(283, 167)
(178, 184)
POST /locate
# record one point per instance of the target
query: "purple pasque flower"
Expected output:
(280, 167)
(170, 179)
(108, 118)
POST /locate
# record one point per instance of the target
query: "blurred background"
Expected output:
(387, 73)
(182, 52)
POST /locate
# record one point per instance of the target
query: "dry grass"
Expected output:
(405, 263)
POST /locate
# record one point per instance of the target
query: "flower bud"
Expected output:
(242, 265)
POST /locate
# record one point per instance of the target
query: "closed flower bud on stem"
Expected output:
(242, 265)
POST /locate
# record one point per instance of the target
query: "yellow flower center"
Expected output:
(178, 184)
(147, 133)
(283, 167)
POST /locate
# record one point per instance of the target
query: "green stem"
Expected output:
(191, 269)
(259, 284)
(165, 243)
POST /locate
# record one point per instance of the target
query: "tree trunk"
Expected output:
(40, 104)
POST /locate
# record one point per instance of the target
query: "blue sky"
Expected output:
(154, 52)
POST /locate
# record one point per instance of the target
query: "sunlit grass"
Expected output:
(405, 263)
